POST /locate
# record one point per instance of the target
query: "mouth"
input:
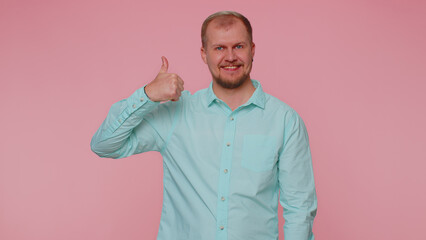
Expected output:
(231, 67)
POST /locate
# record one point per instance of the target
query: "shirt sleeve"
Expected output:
(133, 125)
(296, 181)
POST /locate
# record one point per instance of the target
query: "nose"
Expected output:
(230, 55)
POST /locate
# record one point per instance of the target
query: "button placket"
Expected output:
(224, 177)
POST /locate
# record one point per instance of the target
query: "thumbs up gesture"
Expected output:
(166, 86)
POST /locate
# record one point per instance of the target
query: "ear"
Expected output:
(253, 47)
(203, 55)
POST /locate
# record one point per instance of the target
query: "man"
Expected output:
(227, 150)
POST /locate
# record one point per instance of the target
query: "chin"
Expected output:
(230, 84)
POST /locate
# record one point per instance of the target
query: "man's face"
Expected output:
(228, 52)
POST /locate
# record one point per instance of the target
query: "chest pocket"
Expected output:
(258, 152)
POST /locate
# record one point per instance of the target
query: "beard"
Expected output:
(231, 84)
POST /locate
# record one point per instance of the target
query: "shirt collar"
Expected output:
(258, 98)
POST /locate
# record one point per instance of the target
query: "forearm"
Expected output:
(299, 217)
(115, 138)
(298, 195)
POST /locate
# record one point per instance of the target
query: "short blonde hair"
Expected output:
(227, 15)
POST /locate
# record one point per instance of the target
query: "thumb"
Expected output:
(165, 65)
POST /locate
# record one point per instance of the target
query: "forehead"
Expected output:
(226, 29)
(224, 22)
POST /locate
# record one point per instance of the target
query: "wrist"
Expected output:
(146, 91)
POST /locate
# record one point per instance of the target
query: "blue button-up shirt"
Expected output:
(223, 169)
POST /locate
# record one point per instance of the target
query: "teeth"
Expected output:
(231, 67)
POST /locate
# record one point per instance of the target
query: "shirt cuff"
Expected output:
(139, 99)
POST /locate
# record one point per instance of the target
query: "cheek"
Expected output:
(248, 56)
(243, 56)
(214, 60)
(212, 64)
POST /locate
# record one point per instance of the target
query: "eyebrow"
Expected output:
(222, 45)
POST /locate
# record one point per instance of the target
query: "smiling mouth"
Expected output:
(231, 68)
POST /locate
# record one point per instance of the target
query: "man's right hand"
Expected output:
(166, 86)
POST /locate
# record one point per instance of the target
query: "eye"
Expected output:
(239, 46)
(219, 48)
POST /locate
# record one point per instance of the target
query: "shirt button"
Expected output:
(232, 118)
(142, 99)
(222, 227)
(222, 198)
(228, 144)
(134, 105)
(225, 171)
(119, 120)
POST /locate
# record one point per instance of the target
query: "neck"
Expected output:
(234, 97)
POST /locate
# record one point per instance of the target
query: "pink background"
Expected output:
(354, 70)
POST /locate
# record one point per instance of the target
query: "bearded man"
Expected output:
(230, 152)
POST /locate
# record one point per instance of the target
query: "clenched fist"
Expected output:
(166, 86)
